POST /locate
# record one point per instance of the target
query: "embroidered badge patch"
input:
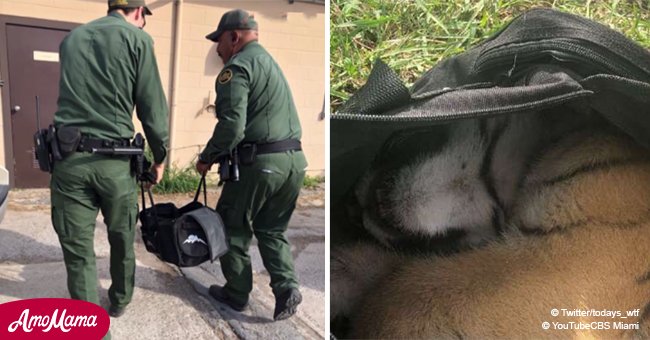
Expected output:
(225, 76)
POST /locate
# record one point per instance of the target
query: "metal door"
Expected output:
(33, 65)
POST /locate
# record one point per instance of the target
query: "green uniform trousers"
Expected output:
(261, 203)
(81, 185)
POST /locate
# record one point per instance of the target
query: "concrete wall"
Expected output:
(293, 33)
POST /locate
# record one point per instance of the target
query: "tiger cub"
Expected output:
(577, 238)
(446, 189)
(466, 186)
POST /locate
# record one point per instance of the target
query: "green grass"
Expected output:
(411, 36)
(311, 182)
(177, 180)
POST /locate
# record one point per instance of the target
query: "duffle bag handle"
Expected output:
(144, 202)
(202, 185)
(142, 190)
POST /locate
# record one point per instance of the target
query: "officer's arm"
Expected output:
(151, 105)
(231, 105)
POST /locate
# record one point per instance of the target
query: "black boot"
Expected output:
(286, 303)
(218, 294)
(115, 311)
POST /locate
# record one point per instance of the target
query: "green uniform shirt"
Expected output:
(254, 103)
(108, 67)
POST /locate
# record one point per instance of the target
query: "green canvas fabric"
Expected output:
(82, 185)
(98, 90)
(254, 104)
(269, 187)
(107, 68)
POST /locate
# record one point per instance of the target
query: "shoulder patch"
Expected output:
(225, 76)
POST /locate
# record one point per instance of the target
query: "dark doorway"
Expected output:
(33, 70)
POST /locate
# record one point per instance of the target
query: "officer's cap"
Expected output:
(130, 4)
(237, 19)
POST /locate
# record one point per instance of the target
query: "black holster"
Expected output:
(229, 167)
(68, 138)
(139, 162)
(42, 151)
(46, 148)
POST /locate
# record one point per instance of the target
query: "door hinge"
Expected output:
(2, 83)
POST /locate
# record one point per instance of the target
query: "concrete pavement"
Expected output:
(168, 303)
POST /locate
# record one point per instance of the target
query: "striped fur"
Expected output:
(468, 184)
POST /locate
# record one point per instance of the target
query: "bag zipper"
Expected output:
(568, 49)
(449, 117)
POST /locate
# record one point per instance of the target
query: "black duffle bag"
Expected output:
(185, 236)
(544, 59)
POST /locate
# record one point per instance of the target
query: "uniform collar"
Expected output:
(115, 14)
(250, 44)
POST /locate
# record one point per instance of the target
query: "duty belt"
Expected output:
(273, 147)
(87, 144)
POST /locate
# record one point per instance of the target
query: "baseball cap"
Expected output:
(236, 19)
(130, 4)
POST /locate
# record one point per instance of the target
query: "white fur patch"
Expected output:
(445, 191)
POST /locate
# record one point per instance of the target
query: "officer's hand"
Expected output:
(202, 168)
(157, 170)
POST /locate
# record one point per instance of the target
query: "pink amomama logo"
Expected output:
(51, 318)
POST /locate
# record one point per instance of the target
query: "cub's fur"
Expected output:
(578, 239)
(466, 186)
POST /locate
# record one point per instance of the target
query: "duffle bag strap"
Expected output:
(144, 202)
(203, 186)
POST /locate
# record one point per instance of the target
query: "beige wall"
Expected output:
(293, 33)
(2, 129)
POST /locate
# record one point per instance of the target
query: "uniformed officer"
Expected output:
(107, 68)
(255, 111)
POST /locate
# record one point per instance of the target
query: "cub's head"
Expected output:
(417, 192)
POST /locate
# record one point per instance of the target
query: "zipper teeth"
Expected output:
(563, 46)
(448, 117)
(380, 118)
